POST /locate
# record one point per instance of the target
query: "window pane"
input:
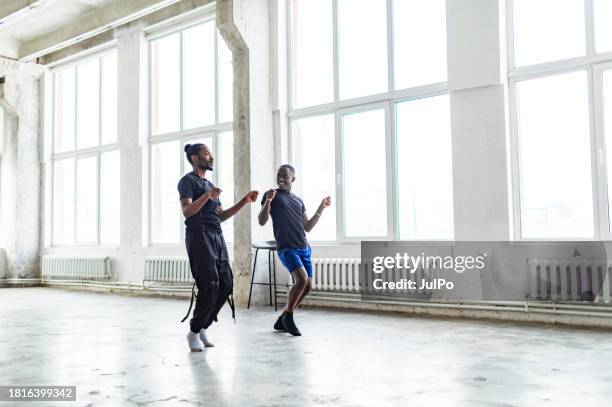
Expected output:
(362, 31)
(225, 168)
(2, 113)
(365, 174)
(313, 139)
(554, 157)
(548, 30)
(199, 79)
(165, 84)
(607, 96)
(63, 201)
(87, 200)
(109, 99)
(312, 52)
(109, 198)
(425, 179)
(603, 28)
(64, 110)
(419, 62)
(226, 79)
(165, 203)
(88, 104)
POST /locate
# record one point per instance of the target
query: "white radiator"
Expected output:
(55, 267)
(166, 269)
(341, 275)
(552, 280)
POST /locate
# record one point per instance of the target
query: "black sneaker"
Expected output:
(279, 326)
(290, 325)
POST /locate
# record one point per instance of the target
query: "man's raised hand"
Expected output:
(215, 192)
(251, 196)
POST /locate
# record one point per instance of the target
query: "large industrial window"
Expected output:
(368, 100)
(424, 147)
(555, 159)
(560, 120)
(1, 153)
(606, 129)
(85, 160)
(191, 101)
(563, 37)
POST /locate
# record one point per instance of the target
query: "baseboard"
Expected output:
(20, 282)
(567, 314)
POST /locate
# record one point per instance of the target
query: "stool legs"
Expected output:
(274, 274)
(270, 276)
(252, 278)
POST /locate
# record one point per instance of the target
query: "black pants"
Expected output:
(211, 271)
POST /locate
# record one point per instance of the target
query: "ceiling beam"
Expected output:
(90, 25)
(11, 10)
(174, 14)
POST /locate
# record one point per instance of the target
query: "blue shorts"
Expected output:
(296, 258)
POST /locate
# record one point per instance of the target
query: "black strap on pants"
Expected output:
(191, 303)
(230, 301)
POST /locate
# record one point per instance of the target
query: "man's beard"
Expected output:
(205, 167)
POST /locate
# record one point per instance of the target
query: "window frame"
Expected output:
(77, 153)
(391, 149)
(391, 173)
(338, 107)
(599, 129)
(212, 130)
(594, 64)
(591, 55)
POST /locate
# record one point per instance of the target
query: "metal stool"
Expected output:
(270, 246)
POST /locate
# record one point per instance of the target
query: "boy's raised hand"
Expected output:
(270, 194)
(326, 202)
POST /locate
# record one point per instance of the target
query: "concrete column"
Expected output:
(8, 185)
(21, 208)
(132, 137)
(244, 24)
(478, 116)
(242, 146)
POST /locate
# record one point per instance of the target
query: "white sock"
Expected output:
(195, 344)
(204, 339)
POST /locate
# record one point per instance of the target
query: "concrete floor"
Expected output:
(123, 350)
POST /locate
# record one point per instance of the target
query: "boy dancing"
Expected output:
(290, 224)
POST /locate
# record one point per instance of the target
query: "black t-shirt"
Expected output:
(192, 186)
(286, 210)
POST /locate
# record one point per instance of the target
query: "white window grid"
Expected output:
(215, 131)
(77, 153)
(387, 100)
(594, 64)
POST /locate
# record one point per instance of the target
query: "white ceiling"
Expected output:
(48, 16)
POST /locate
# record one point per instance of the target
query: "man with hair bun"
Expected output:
(208, 257)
